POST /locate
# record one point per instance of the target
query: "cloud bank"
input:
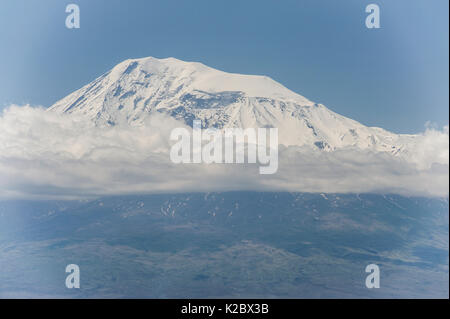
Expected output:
(47, 155)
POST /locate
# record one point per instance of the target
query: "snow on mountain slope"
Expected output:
(189, 90)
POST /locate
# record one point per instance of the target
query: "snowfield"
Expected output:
(190, 90)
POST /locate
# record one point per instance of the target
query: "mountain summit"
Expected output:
(134, 88)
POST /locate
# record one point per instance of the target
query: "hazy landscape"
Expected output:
(226, 245)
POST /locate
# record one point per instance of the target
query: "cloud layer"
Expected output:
(48, 155)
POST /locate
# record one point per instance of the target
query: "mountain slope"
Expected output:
(189, 90)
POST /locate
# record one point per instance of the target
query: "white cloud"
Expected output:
(47, 155)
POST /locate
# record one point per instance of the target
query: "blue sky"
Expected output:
(395, 77)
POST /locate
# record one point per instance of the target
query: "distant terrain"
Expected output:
(226, 245)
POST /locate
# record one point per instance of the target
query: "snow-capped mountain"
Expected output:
(133, 89)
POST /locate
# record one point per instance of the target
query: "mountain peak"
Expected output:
(204, 78)
(134, 88)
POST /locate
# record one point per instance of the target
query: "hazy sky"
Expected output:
(395, 77)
